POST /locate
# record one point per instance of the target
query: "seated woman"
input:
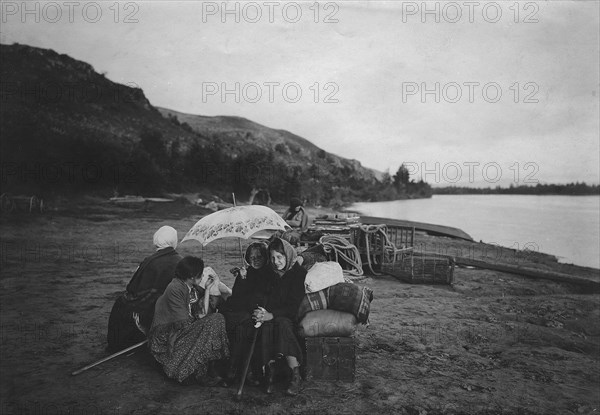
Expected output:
(131, 315)
(277, 335)
(297, 218)
(186, 337)
(249, 290)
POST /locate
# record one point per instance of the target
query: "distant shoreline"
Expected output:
(571, 189)
(562, 226)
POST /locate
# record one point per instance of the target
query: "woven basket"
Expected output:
(419, 268)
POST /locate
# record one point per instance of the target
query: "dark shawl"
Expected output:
(151, 279)
(286, 293)
(251, 291)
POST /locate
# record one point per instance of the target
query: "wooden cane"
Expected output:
(112, 356)
(238, 395)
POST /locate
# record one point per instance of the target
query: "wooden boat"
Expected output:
(432, 229)
(138, 199)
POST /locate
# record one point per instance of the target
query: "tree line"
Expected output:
(569, 189)
(45, 162)
(260, 176)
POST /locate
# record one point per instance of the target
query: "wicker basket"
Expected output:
(421, 268)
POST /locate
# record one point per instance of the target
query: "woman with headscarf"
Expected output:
(249, 291)
(187, 337)
(278, 315)
(132, 313)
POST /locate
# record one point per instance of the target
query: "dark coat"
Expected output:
(147, 284)
(286, 293)
(277, 337)
(251, 291)
(154, 273)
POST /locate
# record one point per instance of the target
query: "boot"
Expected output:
(213, 378)
(270, 376)
(251, 380)
(231, 371)
(294, 386)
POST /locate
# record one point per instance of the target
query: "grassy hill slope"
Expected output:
(67, 129)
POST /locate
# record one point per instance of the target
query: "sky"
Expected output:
(474, 93)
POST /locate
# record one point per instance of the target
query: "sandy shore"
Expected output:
(492, 343)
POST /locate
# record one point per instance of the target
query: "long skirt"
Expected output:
(239, 332)
(122, 330)
(277, 338)
(185, 348)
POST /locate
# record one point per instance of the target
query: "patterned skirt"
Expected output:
(185, 348)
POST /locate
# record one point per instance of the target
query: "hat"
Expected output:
(295, 202)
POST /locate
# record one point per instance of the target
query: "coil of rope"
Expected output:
(341, 248)
(388, 246)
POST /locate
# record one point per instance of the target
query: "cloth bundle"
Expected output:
(351, 299)
(323, 275)
(217, 290)
(344, 297)
(327, 323)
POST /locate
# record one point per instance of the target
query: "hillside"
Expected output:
(67, 129)
(244, 137)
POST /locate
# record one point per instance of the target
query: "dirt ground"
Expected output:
(493, 343)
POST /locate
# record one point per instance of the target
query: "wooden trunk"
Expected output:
(331, 358)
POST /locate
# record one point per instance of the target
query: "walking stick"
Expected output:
(112, 356)
(238, 395)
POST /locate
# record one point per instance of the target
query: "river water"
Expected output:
(565, 226)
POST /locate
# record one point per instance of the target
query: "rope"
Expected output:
(344, 249)
(388, 246)
(341, 248)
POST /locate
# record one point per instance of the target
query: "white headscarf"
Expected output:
(165, 237)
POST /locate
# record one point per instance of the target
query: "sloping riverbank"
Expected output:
(493, 343)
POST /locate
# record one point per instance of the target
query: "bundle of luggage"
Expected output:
(328, 315)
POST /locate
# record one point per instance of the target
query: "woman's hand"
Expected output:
(237, 271)
(211, 282)
(260, 315)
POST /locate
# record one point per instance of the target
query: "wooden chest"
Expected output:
(331, 358)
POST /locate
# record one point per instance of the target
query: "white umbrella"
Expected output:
(237, 221)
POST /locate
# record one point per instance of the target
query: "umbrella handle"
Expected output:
(239, 240)
(241, 253)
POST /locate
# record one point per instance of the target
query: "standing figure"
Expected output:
(186, 336)
(277, 339)
(131, 315)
